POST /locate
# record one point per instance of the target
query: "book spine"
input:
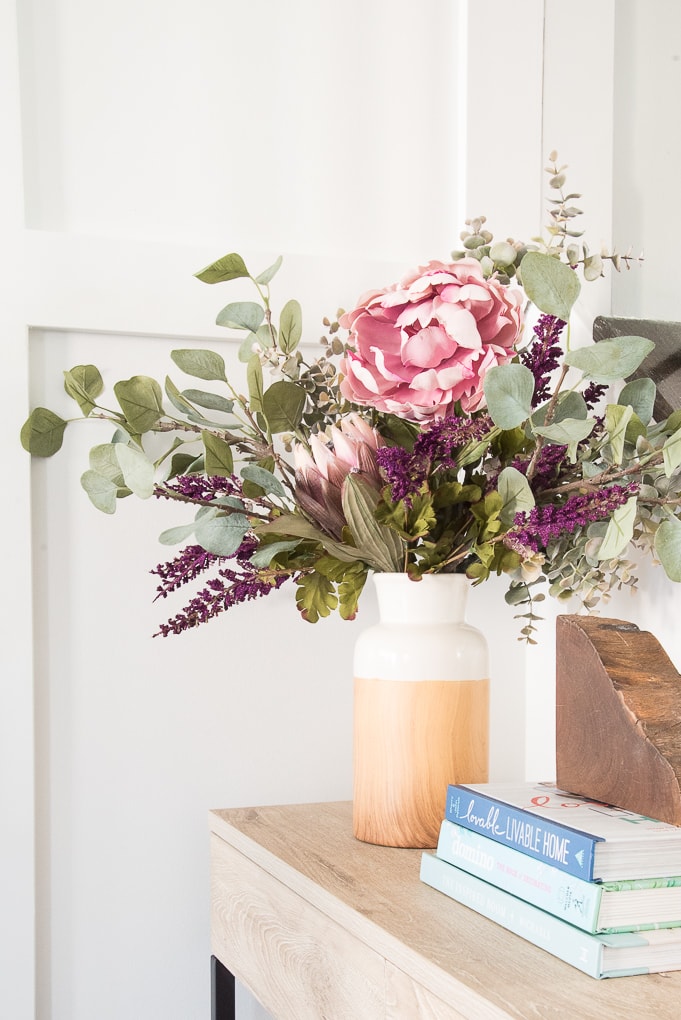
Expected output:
(563, 940)
(543, 839)
(530, 879)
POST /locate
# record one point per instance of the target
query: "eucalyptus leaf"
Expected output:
(255, 383)
(173, 536)
(290, 326)
(265, 553)
(620, 531)
(264, 479)
(515, 492)
(201, 364)
(282, 404)
(264, 278)
(138, 470)
(222, 536)
(141, 401)
(218, 457)
(103, 461)
(42, 433)
(241, 315)
(671, 452)
(550, 284)
(668, 547)
(616, 421)
(212, 401)
(640, 394)
(84, 383)
(229, 267)
(101, 491)
(181, 464)
(177, 399)
(610, 360)
(569, 432)
(508, 393)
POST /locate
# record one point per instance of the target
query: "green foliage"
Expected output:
(517, 494)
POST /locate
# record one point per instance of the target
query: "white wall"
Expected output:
(355, 140)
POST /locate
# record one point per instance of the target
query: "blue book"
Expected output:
(600, 956)
(587, 839)
(628, 905)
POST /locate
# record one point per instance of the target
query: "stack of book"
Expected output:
(596, 886)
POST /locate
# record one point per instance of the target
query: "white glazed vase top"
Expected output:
(421, 709)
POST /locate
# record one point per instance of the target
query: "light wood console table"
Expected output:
(322, 927)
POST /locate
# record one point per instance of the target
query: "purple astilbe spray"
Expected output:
(543, 356)
(186, 566)
(547, 466)
(199, 488)
(535, 529)
(232, 586)
(437, 447)
(593, 393)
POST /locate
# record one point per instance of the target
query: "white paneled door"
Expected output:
(141, 141)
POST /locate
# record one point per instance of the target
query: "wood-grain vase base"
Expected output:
(411, 739)
(618, 717)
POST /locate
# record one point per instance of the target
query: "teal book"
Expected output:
(594, 906)
(599, 956)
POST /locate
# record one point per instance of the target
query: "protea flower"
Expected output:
(346, 448)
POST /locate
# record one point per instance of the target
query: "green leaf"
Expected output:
(266, 551)
(84, 383)
(616, 420)
(568, 432)
(218, 457)
(173, 536)
(222, 536)
(42, 433)
(178, 400)
(515, 492)
(379, 546)
(264, 278)
(610, 360)
(315, 596)
(508, 392)
(290, 326)
(138, 470)
(639, 394)
(668, 547)
(103, 461)
(101, 491)
(141, 401)
(282, 405)
(213, 401)
(181, 464)
(550, 284)
(201, 364)
(298, 527)
(264, 479)
(671, 452)
(255, 383)
(241, 315)
(229, 267)
(620, 531)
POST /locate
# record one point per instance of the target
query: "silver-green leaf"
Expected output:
(668, 547)
(264, 478)
(508, 393)
(200, 364)
(101, 491)
(138, 470)
(610, 360)
(515, 492)
(241, 315)
(222, 536)
(620, 531)
(550, 284)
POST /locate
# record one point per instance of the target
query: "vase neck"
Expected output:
(435, 599)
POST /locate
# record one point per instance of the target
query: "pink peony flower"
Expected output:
(425, 343)
(320, 474)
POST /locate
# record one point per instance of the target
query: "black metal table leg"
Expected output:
(221, 991)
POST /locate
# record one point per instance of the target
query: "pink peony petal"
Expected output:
(427, 348)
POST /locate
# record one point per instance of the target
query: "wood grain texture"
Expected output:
(618, 716)
(411, 739)
(444, 953)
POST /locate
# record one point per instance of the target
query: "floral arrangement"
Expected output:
(445, 425)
